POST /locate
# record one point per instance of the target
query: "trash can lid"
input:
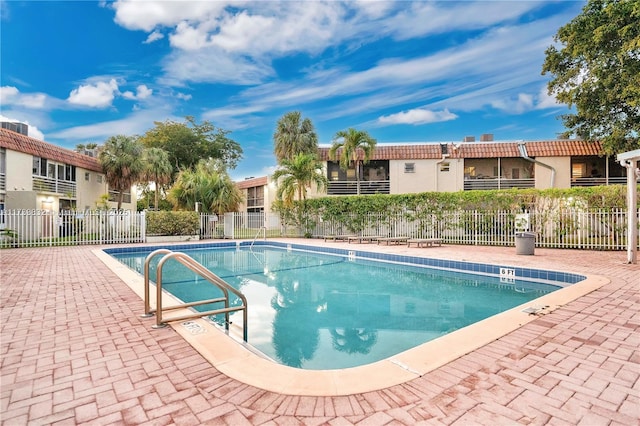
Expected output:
(525, 234)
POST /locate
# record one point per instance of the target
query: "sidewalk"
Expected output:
(74, 351)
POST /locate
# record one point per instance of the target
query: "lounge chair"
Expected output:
(337, 238)
(361, 239)
(424, 242)
(394, 240)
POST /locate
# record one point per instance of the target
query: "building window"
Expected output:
(578, 170)
(39, 166)
(69, 173)
(255, 196)
(409, 167)
(99, 178)
(87, 176)
(3, 161)
(126, 196)
(444, 167)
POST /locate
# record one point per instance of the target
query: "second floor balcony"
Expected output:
(596, 181)
(54, 186)
(497, 183)
(366, 187)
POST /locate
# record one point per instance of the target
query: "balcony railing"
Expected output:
(44, 184)
(497, 183)
(3, 182)
(113, 196)
(367, 187)
(598, 181)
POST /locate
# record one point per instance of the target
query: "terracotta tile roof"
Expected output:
(25, 144)
(486, 150)
(395, 152)
(563, 148)
(551, 148)
(251, 182)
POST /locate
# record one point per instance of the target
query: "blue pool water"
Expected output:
(333, 308)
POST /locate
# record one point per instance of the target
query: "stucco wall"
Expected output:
(428, 176)
(18, 171)
(421, 180)
(562, 166)
(21, 200)
(89, 192)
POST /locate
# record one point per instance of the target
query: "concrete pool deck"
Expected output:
(74, 350)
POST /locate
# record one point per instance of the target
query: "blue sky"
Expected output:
(406, 72)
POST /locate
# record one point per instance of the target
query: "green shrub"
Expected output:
(351, 211)
(172, 223)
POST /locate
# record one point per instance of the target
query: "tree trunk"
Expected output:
(155, 206)
(358, 177)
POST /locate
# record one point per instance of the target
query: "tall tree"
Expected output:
(295, 176)
(596, 69)
(294, 135)
(189, 142)
(356, 147)
(122, 163)
(157, 169)
(208, 183)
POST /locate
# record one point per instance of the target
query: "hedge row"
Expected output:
(173, 223)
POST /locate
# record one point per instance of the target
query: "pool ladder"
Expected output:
(199, 269)
(262, 229)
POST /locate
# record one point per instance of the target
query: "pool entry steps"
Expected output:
(205, 273)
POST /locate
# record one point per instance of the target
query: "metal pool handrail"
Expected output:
(199, 269)
(262, 229)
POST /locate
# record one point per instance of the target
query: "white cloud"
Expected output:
(212, 66)
(464, 77)
(373, 9)
(188, 37)
(421, 18)
(10, 95)
(183, 96)
(96, 95)
(546, 101)
(138, 122)
(7, 93)
(522, 103)
(525, 102)
(147, 15)
(142, 92)
(154, 36)
(417, 116)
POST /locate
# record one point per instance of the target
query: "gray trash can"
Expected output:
(525, 243)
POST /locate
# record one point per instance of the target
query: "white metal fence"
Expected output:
(562, 228)
(568, 228)
(38, 228)
(602, 230)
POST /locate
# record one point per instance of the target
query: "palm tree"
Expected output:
(158, 169)
(206, 184)
(296, 175)
(122, 164)
(293, 136)
(353, 141)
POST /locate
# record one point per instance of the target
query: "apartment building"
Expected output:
(36, 175)
(465, 166)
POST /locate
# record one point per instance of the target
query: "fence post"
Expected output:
(143, 226)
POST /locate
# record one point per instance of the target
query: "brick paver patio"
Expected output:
(74, 351)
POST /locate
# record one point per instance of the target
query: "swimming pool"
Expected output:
(330, 308)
